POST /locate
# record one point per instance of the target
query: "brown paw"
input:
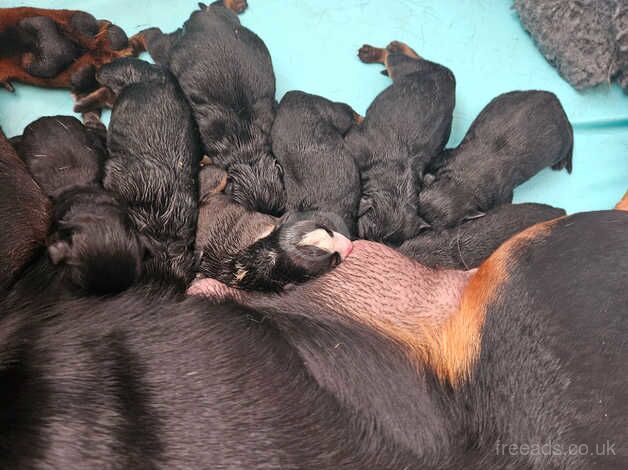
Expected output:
(369, 54)
(395, 46)
(103, 97)
(398, 47)
(237, 6)
(7, 85)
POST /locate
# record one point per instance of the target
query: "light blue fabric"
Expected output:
(314, 43)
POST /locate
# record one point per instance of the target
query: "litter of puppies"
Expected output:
(220, 280)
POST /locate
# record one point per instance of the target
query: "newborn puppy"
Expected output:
(514, 137)
(469, 244)
(404, 128)
(25, 215)
(320, 173)
(61, 153)
(256, 251)
(91, 241)
(226, 73)
(153, 164)
(58, 48)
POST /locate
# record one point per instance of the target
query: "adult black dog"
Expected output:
(456, 371)
(154, 156)
(406, 126)
(225, 70)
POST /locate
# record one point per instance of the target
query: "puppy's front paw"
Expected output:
(370, 55)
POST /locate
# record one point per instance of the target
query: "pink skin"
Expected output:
(342, 245)
(376, 284)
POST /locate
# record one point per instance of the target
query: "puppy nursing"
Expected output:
(514, 137)
(154, 154)
(467, 245)
(308, 142)
(226, 73)
(91, 241)
(256, 251)
(405, 127)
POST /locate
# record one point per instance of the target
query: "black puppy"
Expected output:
(514, 137)
(91, 240)
(404, 128)
(25, 215)
(256, 251)
(469, 244)
(226, 73)
(61, 153)
(154, 156)
(320, 173)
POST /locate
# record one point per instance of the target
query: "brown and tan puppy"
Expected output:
(24, 212)
(58, 48)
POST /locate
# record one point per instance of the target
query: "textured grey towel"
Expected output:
(586, 40)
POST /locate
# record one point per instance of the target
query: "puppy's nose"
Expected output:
(342, 245)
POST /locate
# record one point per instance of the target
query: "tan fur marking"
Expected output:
(451, 351)
(623, 204)
(241, 274)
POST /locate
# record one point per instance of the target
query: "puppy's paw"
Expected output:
(398, 47)
(6, 84)
(370, 55)
(237, 6)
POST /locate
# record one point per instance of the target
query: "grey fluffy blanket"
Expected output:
(586, 40)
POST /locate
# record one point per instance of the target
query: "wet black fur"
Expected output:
(467, 245)
(404, 128)
(514, 137)
(226, 73)
(91, 242)
(92, 238)
(113, 383)
(62, 154)
(153, 163)
(319, 171)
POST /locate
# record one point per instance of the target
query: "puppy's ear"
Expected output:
(59, 252)
(474, 215)
(202, 5)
